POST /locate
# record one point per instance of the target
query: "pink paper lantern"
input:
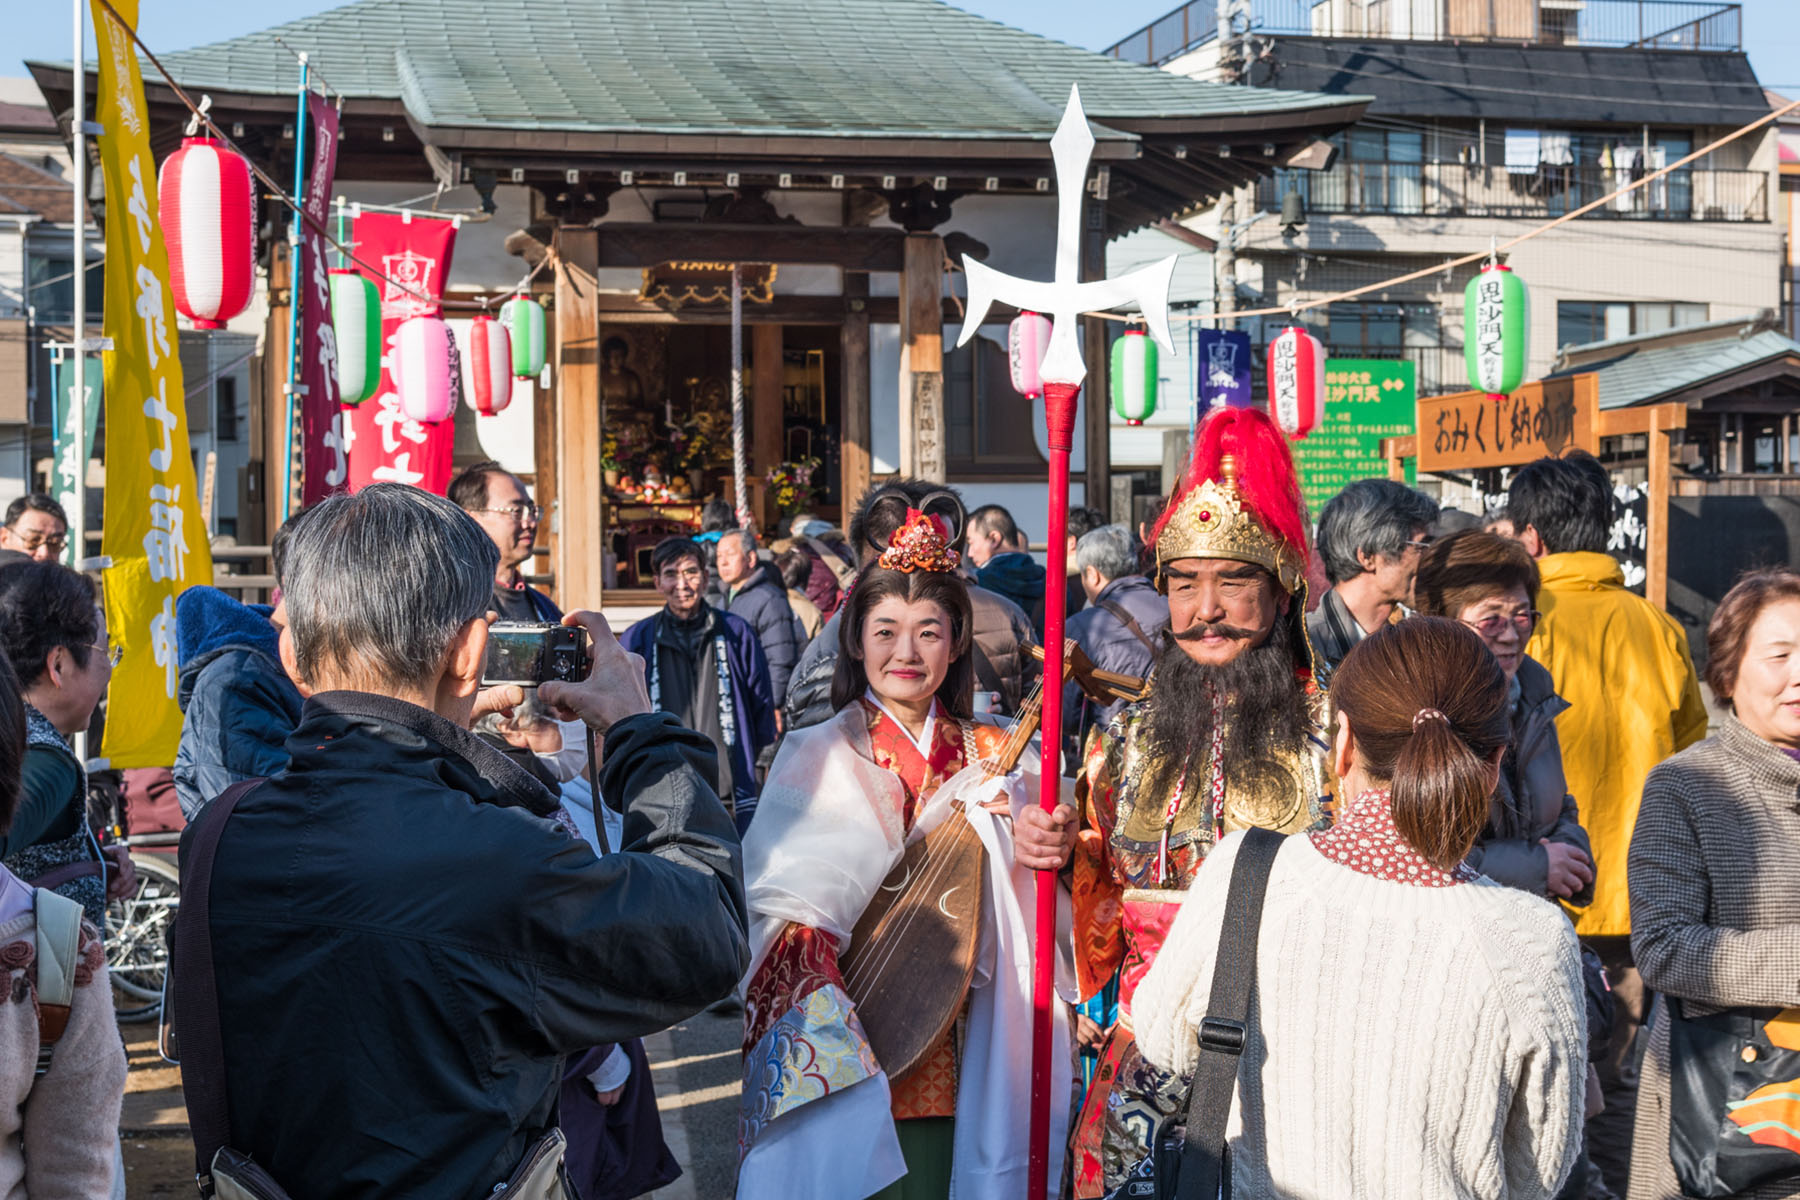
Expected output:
(1027, 338)
(490, 365)
(420, 365)
(1296, 381)
(208, 212)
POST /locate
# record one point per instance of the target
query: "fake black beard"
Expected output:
(1265, 709)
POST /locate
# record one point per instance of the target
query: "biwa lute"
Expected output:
(912, 953)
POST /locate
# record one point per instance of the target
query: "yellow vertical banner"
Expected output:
(153, 530)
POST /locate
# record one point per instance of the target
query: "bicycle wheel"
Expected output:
(137, 946)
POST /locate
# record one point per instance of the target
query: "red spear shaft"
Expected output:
(1059, 421)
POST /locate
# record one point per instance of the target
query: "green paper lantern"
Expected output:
(1134, 376)
(1497, 321)
(356, 323)
(524, 320)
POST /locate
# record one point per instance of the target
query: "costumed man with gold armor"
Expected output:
(1232, 733)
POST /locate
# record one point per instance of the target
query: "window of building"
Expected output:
(1371, 329)
(1582, 321)
(984, 432)
(226, 420)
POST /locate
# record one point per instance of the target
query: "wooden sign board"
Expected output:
(1544, 418)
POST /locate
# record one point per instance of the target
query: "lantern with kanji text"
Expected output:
(208, 212)
(490, 366)
(1497, 320)
(422, 369)
(1296, 381)
(1134, 369)
(1026, 340)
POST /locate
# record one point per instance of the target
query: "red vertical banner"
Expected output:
(323, 464)
(408, 259)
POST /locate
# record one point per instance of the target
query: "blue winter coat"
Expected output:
(239, 705)
(762, 602)
(751, 700)
(1112, 646)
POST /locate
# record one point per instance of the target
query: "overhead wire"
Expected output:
(277, 192)
(1477, 256)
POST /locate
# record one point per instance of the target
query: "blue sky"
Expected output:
(43, 28)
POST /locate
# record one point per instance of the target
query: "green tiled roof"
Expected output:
(1638, 373)
(853, 68)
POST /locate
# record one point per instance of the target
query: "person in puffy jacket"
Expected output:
(238, 704)
(754, 593)
(1003, 633)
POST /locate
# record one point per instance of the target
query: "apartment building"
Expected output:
(1491, 118)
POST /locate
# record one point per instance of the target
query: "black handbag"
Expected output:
(1734, 1103)
(1190, 1161)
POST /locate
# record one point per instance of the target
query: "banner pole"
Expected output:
(78, 333)
(294, 290)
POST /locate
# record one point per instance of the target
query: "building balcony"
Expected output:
(1450, 189)
(1639, 24)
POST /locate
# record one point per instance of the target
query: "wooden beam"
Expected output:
(766, 373)
(922, 359)
(855, 439)
(1097, 349)
(782, 310)
(580, 541)
(857, 249)
(274, 380)
(544, 442)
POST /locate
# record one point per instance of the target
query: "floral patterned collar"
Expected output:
(1365, 839)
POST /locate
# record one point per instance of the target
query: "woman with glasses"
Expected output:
(1533, 840)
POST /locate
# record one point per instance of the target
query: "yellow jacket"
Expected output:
(1623, 665)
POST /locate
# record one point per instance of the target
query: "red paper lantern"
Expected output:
(208, 210)
(490, 366)
(1296, 381)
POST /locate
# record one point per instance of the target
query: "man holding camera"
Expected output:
(405, 943)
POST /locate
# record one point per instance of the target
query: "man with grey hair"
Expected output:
(1122, 626)
(406, 941)
(755, 593)
(1370, 537)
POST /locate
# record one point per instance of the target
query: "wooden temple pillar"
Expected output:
(581, 494)
(1096, 350)
(766, 375)
(856, 433)
(922, 359)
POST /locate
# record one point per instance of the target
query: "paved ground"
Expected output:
(695, 1065)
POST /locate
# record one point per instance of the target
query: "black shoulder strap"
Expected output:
(196, 990)
(1226, 1028)
(1129, 621)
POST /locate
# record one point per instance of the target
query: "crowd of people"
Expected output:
(1515, 916)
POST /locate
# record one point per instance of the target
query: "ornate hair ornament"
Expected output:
(1428, 714)
(1212, 521)
(922, 543)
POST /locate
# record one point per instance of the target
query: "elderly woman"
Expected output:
(1715, 860)
(1533, 839)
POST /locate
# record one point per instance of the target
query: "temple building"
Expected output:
(841, 155)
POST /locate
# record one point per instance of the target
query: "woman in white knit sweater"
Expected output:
(1417, 1030)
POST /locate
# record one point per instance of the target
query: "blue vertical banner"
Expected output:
(1223, 366)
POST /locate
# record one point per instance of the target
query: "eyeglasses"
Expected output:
(1493, 626)
(113, 652)
(1418, 544)
(55, 541)
(517, 512)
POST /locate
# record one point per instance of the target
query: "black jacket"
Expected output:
(762, 603)
(406, 947)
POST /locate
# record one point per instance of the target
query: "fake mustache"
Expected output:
(1194, 633)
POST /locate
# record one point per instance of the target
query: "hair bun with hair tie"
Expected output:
(1428, 714)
